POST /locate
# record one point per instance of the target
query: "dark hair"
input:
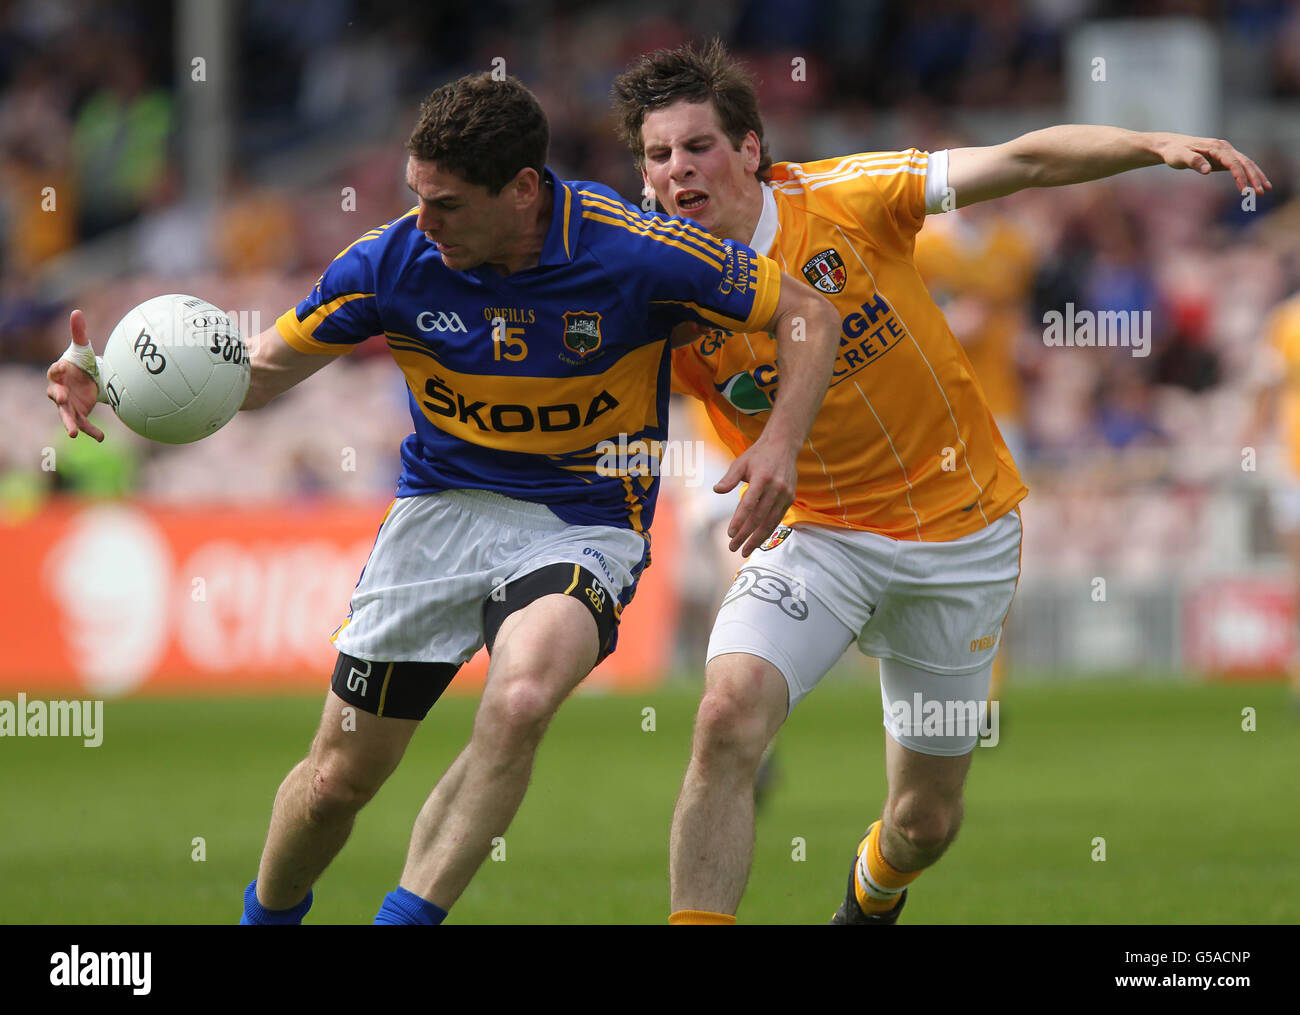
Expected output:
(691, 75)
(483, 130)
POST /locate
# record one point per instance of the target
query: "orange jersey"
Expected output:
(904, 444)
(1282, 330)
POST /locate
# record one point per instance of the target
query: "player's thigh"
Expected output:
(772, 617)
(937, 714)
(419, 597)
(540, 653)
(354, 750)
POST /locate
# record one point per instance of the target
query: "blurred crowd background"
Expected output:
(1134, 464)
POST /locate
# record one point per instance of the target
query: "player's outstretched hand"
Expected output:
(770, 471)
(1207, 155)
(73, 390)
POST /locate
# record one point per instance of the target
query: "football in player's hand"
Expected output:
(176, 369)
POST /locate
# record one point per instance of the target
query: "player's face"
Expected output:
(468, 226)
(693, 168)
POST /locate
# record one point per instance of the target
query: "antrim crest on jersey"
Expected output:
(581, 332)
(826, 271)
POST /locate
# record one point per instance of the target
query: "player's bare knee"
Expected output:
(730, 725)
(928, 823)
(337, 791)
(515, 713)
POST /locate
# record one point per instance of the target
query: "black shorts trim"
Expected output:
(566, 580)
(391, 690)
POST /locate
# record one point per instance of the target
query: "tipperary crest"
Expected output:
(581, 332)
(826, 272)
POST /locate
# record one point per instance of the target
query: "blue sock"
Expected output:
(403, 907)
(255, 914)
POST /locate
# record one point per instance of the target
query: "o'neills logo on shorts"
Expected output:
(776, 538)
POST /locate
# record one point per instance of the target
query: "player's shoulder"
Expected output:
(809, 179)
(618, 230)
(607, 219)
(590, 190)
(601, 208)
(398, 237)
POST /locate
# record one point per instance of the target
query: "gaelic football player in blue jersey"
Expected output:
(531, 318)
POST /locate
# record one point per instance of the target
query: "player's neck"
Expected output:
(749, 210)
(526, 252)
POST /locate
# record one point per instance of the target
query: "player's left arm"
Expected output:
(1076, 153)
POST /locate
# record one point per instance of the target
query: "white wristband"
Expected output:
(84, 356)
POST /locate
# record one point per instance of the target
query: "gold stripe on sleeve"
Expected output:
(767, 294)
(299, 333)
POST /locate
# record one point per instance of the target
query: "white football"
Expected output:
(176, 369)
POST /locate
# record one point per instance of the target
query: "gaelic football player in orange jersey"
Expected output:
(904, 536)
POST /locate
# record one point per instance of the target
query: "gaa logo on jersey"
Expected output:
(776, 538)
(826, 272)
(581, 332)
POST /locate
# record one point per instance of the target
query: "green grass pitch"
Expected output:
(1198, 816)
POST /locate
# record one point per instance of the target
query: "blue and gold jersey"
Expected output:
(516, 381)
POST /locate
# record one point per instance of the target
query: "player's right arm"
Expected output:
(276, 366)
(341, 311)
(807, 329)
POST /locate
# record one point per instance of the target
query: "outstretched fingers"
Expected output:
(1205, 155)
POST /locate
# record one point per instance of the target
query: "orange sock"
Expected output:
(877, 884)
(700, 918)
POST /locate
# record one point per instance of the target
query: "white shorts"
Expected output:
(439, 556)
(932, 613)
